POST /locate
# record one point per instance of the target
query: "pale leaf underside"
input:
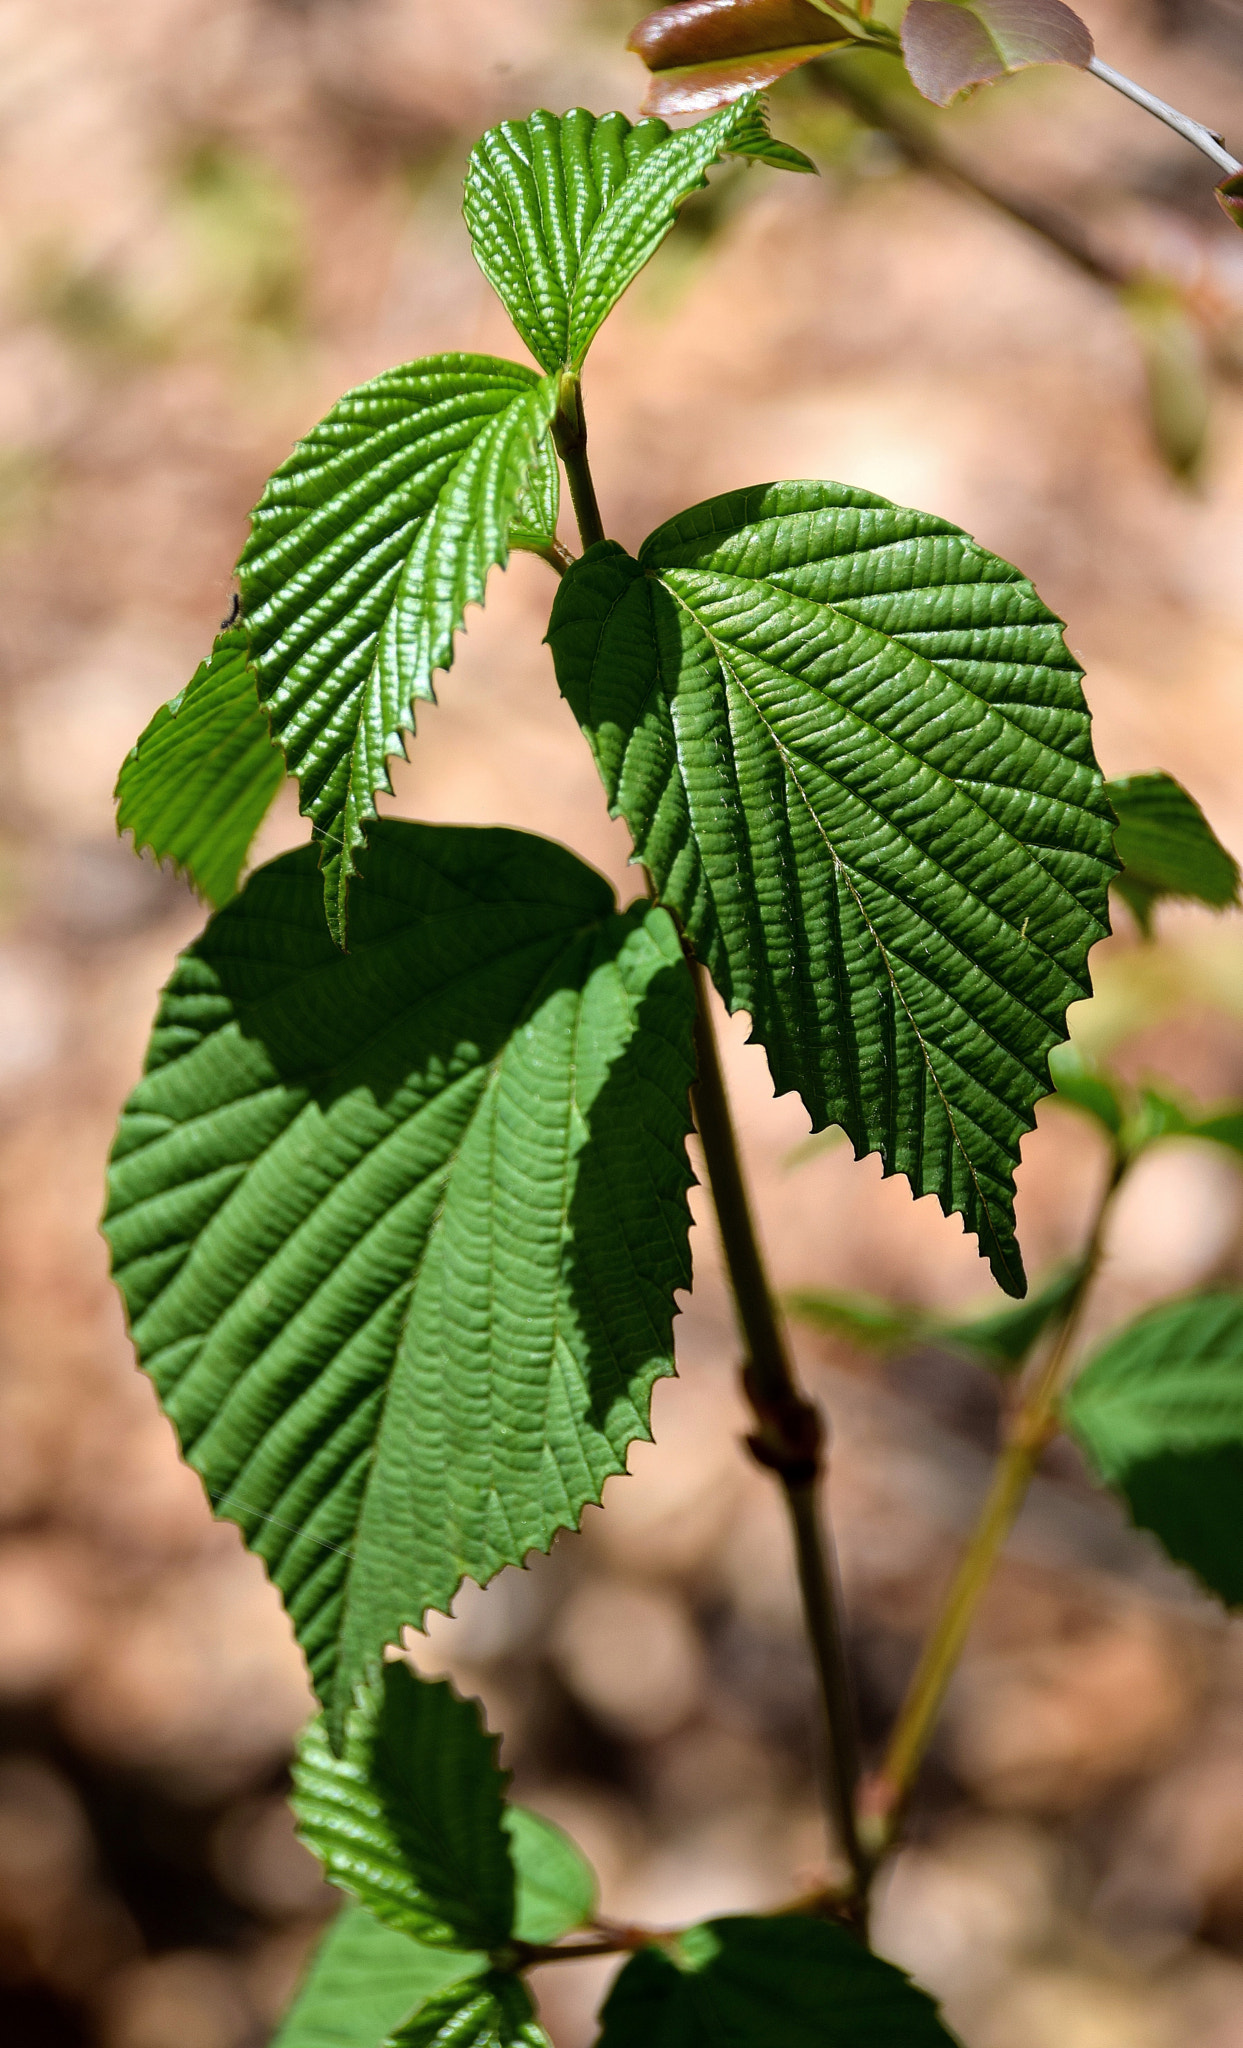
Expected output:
(366, 548)
(399, 1230)
(951, 45)
(852, 748)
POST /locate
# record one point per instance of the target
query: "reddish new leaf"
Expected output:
(1230, 197)
(950, 47)
(705, 53)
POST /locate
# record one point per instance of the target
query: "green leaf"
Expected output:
(365, 550)
(1159, 1414)
(491, 2012)
(1003, 1339)
(852, 748)
(1081, 1083)
(556, 1884)
(408, 1817)
(1000, 1340)
(197, 784)
(781, 1983)
(565, 210)
(863, 1319)
(399, 1230)
(363, 1981)
(1167, 847)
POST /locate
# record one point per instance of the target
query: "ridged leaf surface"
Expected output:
(1159, 1413)
(487, 2012)
(781, 1983)
(365, 550)
(565, 210)
(366, 1978)
(197, 784)
(408, 1817)
(852, 748)
(399, 1229)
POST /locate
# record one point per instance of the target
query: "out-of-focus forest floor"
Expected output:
(216, 215)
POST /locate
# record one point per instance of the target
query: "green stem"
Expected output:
(1032, 1428)
(569, 433)
(789, 1440)
(550, 551)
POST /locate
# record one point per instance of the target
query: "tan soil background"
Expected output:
(215, 217)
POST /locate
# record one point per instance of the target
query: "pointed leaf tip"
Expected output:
(702, 54)
(1230, 197)
(951, 45)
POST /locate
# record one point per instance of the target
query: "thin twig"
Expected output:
(789, 1440)
(1204, 139)
(1032, 1428)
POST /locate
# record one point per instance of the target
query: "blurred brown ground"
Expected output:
(217, 214)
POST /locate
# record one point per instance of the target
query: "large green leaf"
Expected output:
(1159, 1412)
(366, 548)
(565, 210)
(488, 2012)
(1167, 847)
(363, 1981)
(197, 784)
(852, 748)
(399, 1230)
(408, 1817)
(781, 1983)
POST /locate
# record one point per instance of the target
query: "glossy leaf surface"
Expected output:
(1167, 847)
(487, 2012)
(198, 783)
(1159, 1413)
(951, 45)
(705, 53)
(564, 210)
(852, 749)
(408, 1817)
(366, 1978)
(399, 1230)
(365, 550)
(780, 1983)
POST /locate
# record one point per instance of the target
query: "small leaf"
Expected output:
(556, 1884)
(1177, 372)
(197, 784)
(564, 211)
(364, 1979)
(1001, 1341)
(1081, 1083)
(949, 46)
(785, 1982)
(487, 2012)
(365, 550)
(863, 1319)
(1159, 1414)
(852, 749)
(1167, 847)
(704, 53)
(408, 1817)
(399, 1230)
(1230, 197)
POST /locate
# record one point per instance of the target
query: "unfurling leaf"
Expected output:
(408, 1817)
(365, 550)
(1167, 848)
(364, 1979)
(950, 45)
(785, 1982)
(399, 1229)
(487, 2012)
(704, 53)
(852, 749)
(198, 783)
(565, 210)
(1159, 1413)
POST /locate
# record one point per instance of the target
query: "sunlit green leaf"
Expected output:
(852, 749)
(1159, 1412)
(1081, 1083)
(556, 1884)
(564, 210)
(487, 2012)
(364, 1979)
(365, 550)
(399, 1229)
(197, 784)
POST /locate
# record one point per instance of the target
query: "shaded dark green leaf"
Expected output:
(1159, 1413)
(1080, 1082)
(1167, 847)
